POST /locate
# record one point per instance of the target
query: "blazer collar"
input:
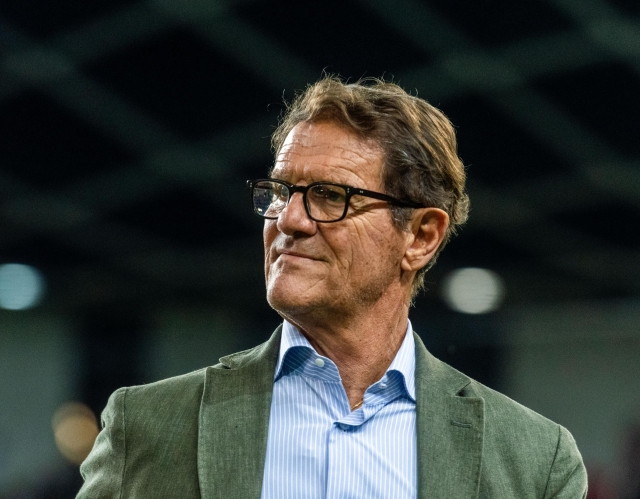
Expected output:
(234, 422)
(450, 430)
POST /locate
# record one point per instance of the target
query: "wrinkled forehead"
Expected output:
(320, 149)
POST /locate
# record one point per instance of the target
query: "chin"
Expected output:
(288, 299)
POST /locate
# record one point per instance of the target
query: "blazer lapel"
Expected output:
(234, 422)
(450, 430)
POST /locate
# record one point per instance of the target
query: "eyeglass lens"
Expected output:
(325, 202)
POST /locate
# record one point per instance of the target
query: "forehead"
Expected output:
(327, 151)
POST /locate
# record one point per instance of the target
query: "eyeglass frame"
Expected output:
(349, 190)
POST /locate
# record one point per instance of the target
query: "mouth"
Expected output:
(294, 255)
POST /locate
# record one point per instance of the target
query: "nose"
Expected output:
(294, 217)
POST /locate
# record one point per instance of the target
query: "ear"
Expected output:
(428, 228)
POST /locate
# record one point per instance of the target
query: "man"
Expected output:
(344, 400)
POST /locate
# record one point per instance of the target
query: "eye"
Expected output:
(328, 194)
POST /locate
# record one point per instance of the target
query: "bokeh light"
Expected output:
(473, 290)
(75, 428)
(21, 286)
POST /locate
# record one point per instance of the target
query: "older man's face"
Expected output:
(328, 268)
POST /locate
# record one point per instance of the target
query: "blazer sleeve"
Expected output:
(568, 476)
(103, 469)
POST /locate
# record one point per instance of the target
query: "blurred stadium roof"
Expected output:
(129, 128)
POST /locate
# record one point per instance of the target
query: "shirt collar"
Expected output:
(404, 362)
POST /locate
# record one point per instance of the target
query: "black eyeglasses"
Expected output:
(324, 201)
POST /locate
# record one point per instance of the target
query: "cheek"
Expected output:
(269, 233)
(374, 245)
(368, 239)
(341, 243)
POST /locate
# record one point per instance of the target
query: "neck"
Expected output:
(363, 346)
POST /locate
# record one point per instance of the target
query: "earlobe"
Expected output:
(427, 232)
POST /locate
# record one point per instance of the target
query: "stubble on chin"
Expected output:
(284, 294)
(296, 296)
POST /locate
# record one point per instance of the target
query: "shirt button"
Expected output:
(343, 426)
(383, 385)
(319, 362)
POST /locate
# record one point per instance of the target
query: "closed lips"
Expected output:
(299, 255)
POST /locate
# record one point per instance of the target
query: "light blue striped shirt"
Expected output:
(317, 448)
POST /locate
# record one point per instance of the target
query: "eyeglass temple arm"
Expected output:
(384, 197)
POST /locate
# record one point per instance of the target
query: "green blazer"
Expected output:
(204, 435)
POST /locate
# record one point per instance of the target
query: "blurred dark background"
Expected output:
(127, 132)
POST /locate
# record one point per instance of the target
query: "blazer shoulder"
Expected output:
(519, 442)
(164, 401)
(147, 447)
(181, 385)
